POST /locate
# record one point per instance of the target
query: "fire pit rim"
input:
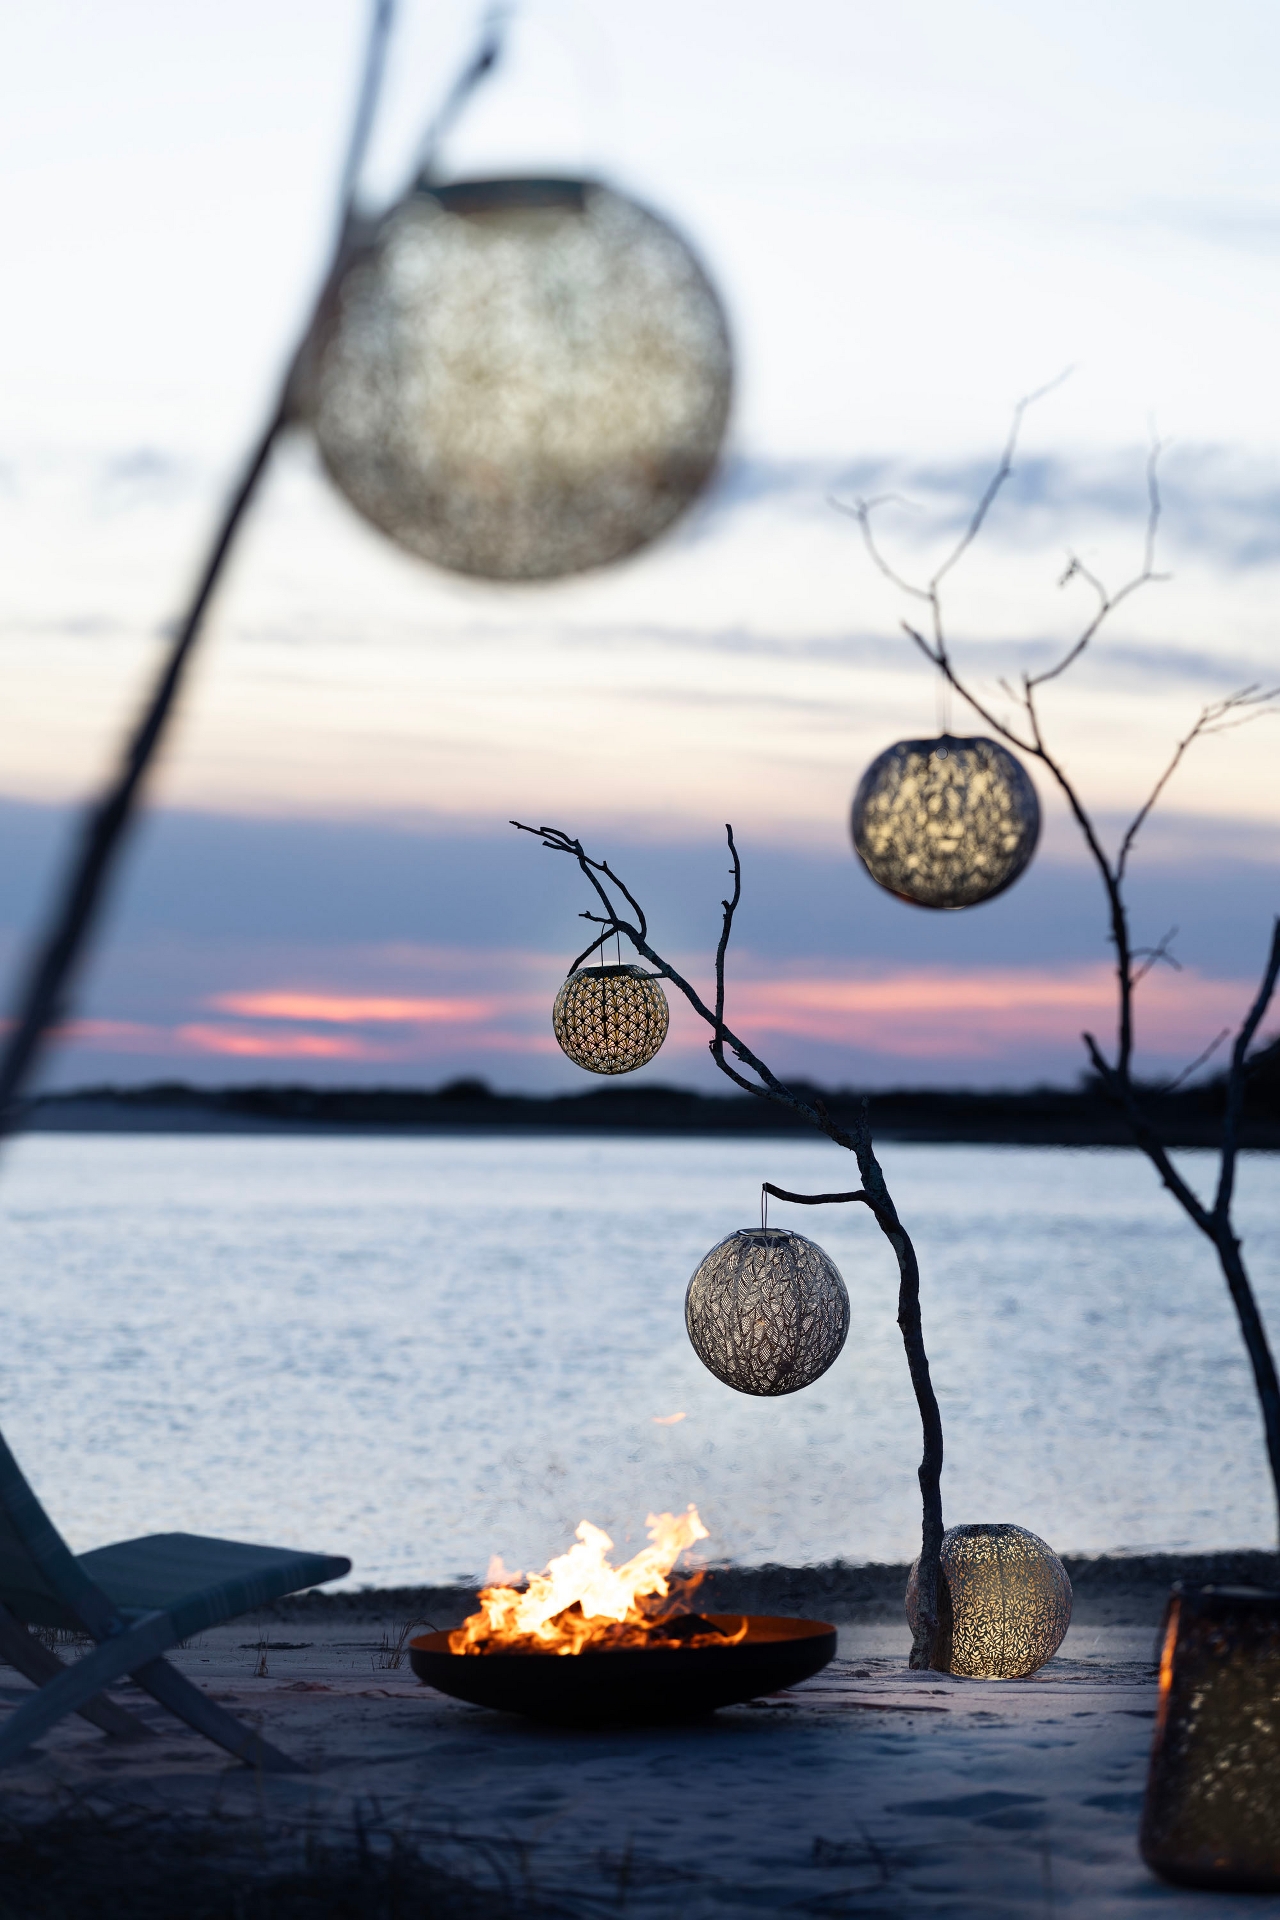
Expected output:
(624, 1685)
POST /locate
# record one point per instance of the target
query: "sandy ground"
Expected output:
(867, 1790)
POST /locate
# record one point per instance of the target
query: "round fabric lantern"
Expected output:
(610, 1019)
(946, 822)
(1009, 1601)
(519, 379)
(767, 1311)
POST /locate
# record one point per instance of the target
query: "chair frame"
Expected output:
(129, 1643)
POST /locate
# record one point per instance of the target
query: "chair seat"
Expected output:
(201, 1581)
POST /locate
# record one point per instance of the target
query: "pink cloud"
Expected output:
(350, 1009)
(1013, 1016)
(123, 1034)
(984, 1012)
(268, 1046)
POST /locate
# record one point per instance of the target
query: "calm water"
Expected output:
(421, 1352)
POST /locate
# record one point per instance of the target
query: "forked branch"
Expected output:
(1132, 963)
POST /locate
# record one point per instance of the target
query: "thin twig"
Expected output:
(1248, 703)
(1205, 1054)
(1109, 602)
(1151, 956)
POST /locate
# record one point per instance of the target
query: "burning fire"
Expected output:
(582, 1604)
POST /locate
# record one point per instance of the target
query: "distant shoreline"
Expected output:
(1109, 1590)
(1038, 1116)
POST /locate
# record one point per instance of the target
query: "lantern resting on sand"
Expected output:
(610, 1019)
(767, 1311)
(1009, 1600)
(945, 823)
(519, 379)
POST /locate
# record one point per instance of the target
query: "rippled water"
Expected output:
(420, 1352)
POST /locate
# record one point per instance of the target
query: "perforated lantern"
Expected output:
(1212, 1811)
(1007, 1602)
(610, 1019)
(519, 379)
(767, 1311)
(945, 822)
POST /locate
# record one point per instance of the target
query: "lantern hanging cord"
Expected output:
(489, 51)
(942, 704)
(43, 1000)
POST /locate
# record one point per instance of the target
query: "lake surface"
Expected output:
(421, 1352)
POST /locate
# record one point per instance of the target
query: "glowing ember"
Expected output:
(582, 1604)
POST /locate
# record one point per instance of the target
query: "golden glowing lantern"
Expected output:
(1212, 1812)
(519, 379)
(1005, 1605)
(767, 1311)
(945, 823)
(610, 1019)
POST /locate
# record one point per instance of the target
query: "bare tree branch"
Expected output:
(1132, 964)
(875, 1192)
(730, 908)
(1249, 703)
(997, 480)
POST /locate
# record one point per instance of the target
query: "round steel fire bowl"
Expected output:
(631, 1686)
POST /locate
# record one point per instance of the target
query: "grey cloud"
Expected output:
(1217, 503)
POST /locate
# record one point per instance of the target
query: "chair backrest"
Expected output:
(40, 1579)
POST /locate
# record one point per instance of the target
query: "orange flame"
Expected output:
(581, 1603)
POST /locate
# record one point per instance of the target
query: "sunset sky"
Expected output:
(915, 214)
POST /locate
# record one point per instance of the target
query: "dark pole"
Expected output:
(45, 997)
(924, 1647)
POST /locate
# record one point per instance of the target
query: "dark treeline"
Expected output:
(1046, 1116)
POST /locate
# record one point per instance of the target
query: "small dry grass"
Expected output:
(136, 1866)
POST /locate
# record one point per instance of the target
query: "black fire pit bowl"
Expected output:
(631, 1686)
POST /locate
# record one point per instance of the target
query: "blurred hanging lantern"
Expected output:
(1212, 1812)
(518, 379)
(946, 822)
(1009, 1600)
(767, 1311)
(610, 1019)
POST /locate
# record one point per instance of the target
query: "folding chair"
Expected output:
(135, 1600)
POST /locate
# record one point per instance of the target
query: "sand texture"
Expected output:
(866, 1790)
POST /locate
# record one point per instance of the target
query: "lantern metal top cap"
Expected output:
(497, 195)
(625, 970)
